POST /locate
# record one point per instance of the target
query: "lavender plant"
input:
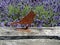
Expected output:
(15, 11)
(44, 15)
(25, 10)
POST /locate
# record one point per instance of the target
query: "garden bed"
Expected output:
(48, 31)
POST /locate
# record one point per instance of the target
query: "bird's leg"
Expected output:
(26, 26)
(24, 29)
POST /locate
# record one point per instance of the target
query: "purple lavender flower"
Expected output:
(56, 17)
(7, 1)
(58, 24)
(2, 24)
(58, 9)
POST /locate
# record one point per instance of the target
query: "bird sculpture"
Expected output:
(27, 20)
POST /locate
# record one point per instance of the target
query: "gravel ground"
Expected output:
(6, 31)
(30, 42)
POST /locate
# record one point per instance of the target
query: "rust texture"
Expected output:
(28, 19)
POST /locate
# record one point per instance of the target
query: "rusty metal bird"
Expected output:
(28, 19)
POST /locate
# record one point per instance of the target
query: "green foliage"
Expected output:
(41, 11)
(11, 9)
(14, 10)
(25, 10)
